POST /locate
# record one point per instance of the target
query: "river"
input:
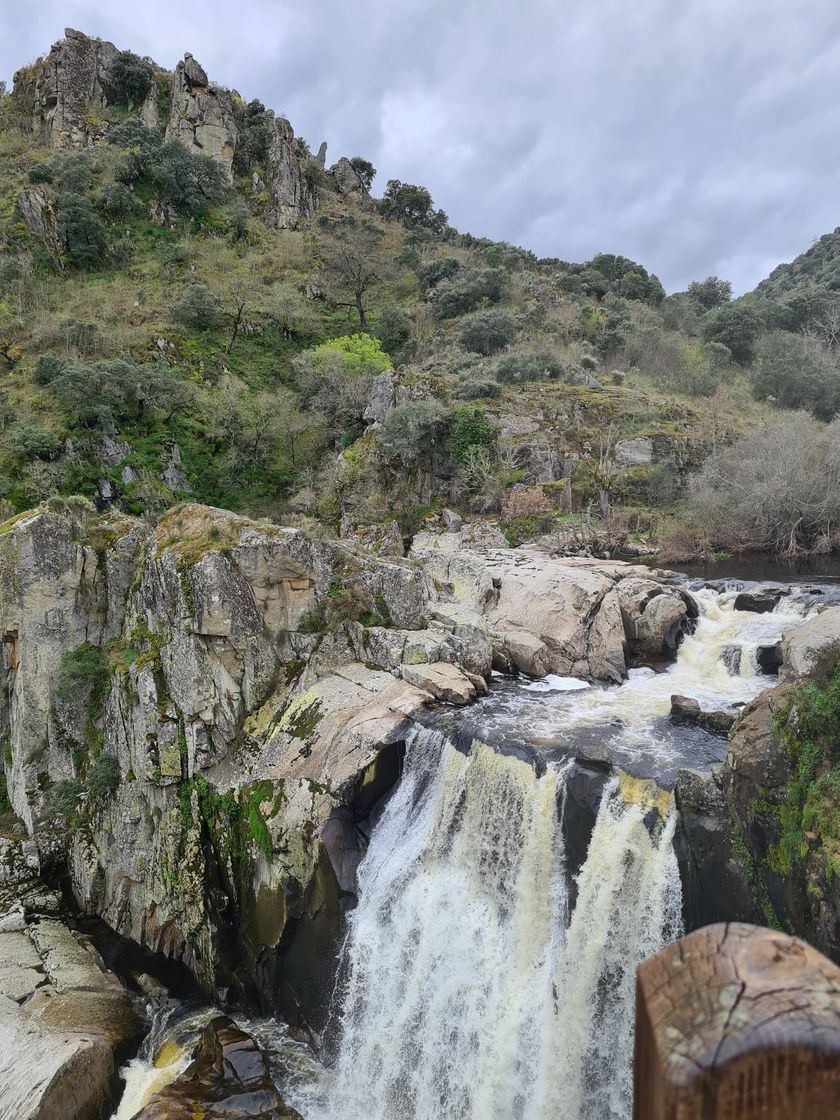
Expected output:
(482, 977)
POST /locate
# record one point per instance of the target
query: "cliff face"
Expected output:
(201, 717)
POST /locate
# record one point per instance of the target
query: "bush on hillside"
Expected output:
(469, 290)
(775, 489)
(393, 328)
(131, 78)
(431, 273)
(736, 326)
(198, 308)
(487, 332)
(416, 433)
(477, 388)
(411, 205)
(796, 373)
(516, 369)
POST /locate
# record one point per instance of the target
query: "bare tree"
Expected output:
(604, 471)
(355, 264)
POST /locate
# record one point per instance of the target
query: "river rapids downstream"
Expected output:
(483, 975)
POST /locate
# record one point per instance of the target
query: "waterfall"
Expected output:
(468, 992)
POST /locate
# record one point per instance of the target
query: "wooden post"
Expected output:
(737, 1023)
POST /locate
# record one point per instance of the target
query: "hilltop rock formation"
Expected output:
(201, 116)
(291, 197)
(71, 99)
(67, 91)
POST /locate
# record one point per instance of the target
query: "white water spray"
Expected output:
(467, 994)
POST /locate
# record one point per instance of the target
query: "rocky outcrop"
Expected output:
(41, 218)
(202, 116)
(686, 710)
(254, 690)
(806, 645)
(227, 1079)
(656, 617)
(66, 1024)
(66, 89)
(291, 197)
(346, 179)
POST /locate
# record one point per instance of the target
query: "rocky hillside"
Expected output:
(193, 304)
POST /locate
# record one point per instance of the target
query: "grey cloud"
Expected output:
(696, 137)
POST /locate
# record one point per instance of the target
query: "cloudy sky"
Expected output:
(695, 136)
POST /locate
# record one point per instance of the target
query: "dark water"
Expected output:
(758, 567)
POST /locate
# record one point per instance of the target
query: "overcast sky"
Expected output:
(695, 136)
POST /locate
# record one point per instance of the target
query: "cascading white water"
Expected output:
(467, 995)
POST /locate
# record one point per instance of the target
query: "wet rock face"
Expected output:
(686, 710)
(228, 1079)
(715, 882)
(656, 618)
(202, 115)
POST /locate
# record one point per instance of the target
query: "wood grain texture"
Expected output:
(734, 1022)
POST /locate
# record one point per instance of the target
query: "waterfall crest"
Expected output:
(468, 992)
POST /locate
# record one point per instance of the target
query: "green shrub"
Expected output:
(82, 670)
(515, 369)
(27, 440)
(487, 332)
(255, 124)
(198, 308)
(131, 78)
(412, 206)
(393, 328)
(191, 183)
(477, 388)
(469, 431)
(416, 432)
(356, 354)
(469, 290)
(63, 801)
(365, 170)
(40, 173)
(736, 326)
(430, 274)
(103, 777)
(84, 232)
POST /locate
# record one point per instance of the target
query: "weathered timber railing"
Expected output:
(737, 1023)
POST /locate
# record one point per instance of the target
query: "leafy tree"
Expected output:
(27, 440)
(737, 326)
(40, 173)
(191, 183)
(131, 78)
(103, 394)
(710, 293)
(254, 123)
(393, 328)
(83, 670)
(487, 332)
(356, 264)
(357, 354)
(412, 206)
(469, 431)
(84, 232)
(198, 308)
(430, 274)
(797, 373)
(335, 380)
(365, 170)
(416, 433)
(75, 175)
